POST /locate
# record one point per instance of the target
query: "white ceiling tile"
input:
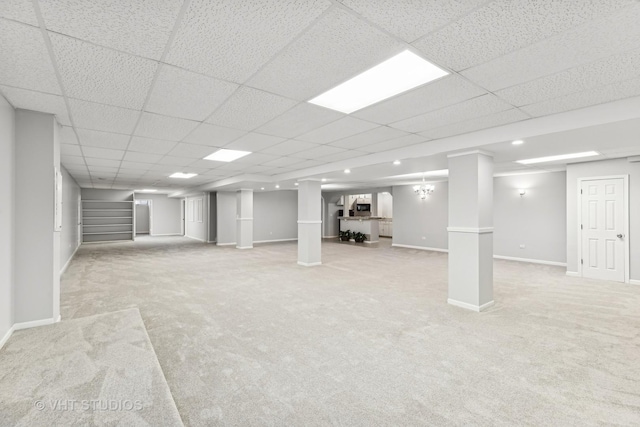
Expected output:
(175, 161)
(249, 108)
(306, 164)
(484, 122)
(128, 165)
(344, 155)
(181, 93)
(94, 161)
(339, 129)
(94, 138)
(289, 147)
(232, 39)
(507, 25)
(132, 156)
(467, 110)
(25, 60)
(410, 19)
(70, 150)
(97, 74)
(163, 127)
(94, 116)
(381, 133)
(257, 169)
(71, 160)
(18, 10)
(192, 151)
(148, 145)
(283, 161)
(99, 169)
(162, 168)
(392, 144)
(337, 47)
(102, 153)
(446, 91)
(68, 136)
(37, 101)
(257, 158)
(300, 119)
(317, 152)
(232, 167)
(138, 27)
(212, 135)
(610, 70)
(583, 44)
(586, 98)
(254, 142)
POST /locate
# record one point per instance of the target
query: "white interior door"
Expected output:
(603, 229)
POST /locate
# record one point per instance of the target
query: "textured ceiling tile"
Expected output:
(68, 136)
(163, 127)
(37, 101)
(289, 147)
(337, 47)
(175, 161)
(504, 26)
(610, 70)
(71, 160)
(215, 136)
(403, 141)
(102, 75)
(132, 156)
(153, 146)
(491, 120)
(257, 169)
(256, 159)
(254, 142)
(18, 10)
(181, 93)
(300, 119)
(102, 153)
(70, 150)
(344, 155)
(93, 138)
(191, 151)
(589, 97)
(25, 60)
(95, 161)
(446, 91)
(94, 116)
(138, 27)
(343, 128)
(587, 43)
(467, 110)
(249, 108)
(381, 133)
(304, 165)
(232, 39)
(283, 161)
(317, 152)
(410, 19)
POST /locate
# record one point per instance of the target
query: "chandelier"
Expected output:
(424, 189)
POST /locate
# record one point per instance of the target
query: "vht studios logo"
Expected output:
(88, 405)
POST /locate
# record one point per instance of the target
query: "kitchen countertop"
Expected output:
(364, 218)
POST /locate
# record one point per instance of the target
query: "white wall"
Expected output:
(167, 216)
(69, 236)
(197, 217)
(275, 215)
(537, 220)
(226, 217)
(595, 169)
(7, 203)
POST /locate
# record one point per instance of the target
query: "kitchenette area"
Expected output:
(368, 214)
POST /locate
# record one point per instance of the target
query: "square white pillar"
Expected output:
(309, 223)
(244, 219)
(471, 230)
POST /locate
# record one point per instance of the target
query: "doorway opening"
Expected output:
(144, 217)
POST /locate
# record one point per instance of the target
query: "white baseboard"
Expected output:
(170, 234)
(226, 244)
(468, 306)
(195, 238)
(276, 240)
(329, 237)
(34, 323)
(573, 274)
(59, 318)
(6, 337)
(309, 264)
(634, 282)
(421, 248)
(66, 265)
(532, 261)
(244, 247)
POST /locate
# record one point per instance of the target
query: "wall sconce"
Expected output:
(522, 192)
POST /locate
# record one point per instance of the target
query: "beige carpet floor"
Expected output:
(249, 338)
(98, 370)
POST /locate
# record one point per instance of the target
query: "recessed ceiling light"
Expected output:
(559, 157)
(277, 186)
(295, 183)
(224, 155)
(146, 190)
(324, 180)
(182, 175)
(347, 171)
(404, 71)
(396, 162)
(262, 188)
(517, 142)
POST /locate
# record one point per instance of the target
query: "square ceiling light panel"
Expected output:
(225, 155)
(182, 175)
(396, 75)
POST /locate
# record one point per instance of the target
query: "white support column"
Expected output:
(244, 219)
(374, 204)
(471, 230)
(309, 223)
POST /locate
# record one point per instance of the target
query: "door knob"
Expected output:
(620, 236)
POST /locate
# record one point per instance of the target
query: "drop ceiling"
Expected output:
(146, 89)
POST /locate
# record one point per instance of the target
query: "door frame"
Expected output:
(625, 209)
(150, 206)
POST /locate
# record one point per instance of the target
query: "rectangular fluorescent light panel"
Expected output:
(559, 157)
(224, 155)
(396, 75)
(182, 175)
(146, 190)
